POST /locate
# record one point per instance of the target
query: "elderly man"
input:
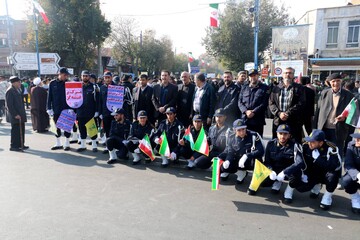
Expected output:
(185, 99)
(331, 104)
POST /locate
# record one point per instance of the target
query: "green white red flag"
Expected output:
(188, 136)
(41, 11)
(191, 57)
(216, 173)
(352, 113)
(164, 146)
(145, 147)
(201, 145)
(214, 15)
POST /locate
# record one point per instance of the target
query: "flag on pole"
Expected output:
(298, 79)
(189, 67)
(188, 136)
(145, 147)
(41, 11)
(91, 128)
(191, 57)
(261, 172)
(164, 146)
(352, 113)
(216, 173)
(201, 145)
(214, 15)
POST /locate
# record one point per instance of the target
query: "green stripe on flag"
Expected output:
(214, 5)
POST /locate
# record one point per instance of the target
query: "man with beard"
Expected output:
(227, 98)
(242, 79)
(56, 102)
(87, 110)
(185, 98)
(253, 102)
(39, 117)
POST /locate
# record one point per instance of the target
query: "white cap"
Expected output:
(37, 81)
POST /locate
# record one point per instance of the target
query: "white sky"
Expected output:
(184, 21)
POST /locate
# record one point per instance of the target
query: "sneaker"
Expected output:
(315, 191)
(275, 189)
(191, 164)
(288, 194)
(355, 202)
(224, 176)
(111, 161)
(165, 162)
(240, 176)
(326, 201)
(251, 192)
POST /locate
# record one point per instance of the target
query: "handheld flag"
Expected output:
(201, 145)
(352, 113)
(91, 128)
(41, 11)
(188, 136)
(146, 148)
(216, 173)
(214, 15)
(52, 128)
(261, 172)
(164, 146)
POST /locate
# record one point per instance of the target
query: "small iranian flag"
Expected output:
(214, 15)
(191, 57)
(216, 173)
(352, 113)
(188, 136)
(146, 148)
(201, 144)
(41, 11)
(164, 146)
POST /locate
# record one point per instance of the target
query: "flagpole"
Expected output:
(37, 41)
(256, 31)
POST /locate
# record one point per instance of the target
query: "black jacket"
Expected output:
(174, 131)
(120, 130)
(14, 105)
(57, 96)
(90, 101)
(207, 102)
(184, 102)
(170, 92)
(143, 101)
(138, 132)
(227, 98)
(352, 160)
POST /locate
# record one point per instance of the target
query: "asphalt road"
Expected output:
(48, 194)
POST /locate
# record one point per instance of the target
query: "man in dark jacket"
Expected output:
(16, 114)
(185, 99)
(309, 105)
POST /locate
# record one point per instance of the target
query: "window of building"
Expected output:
(332, 37)
(353, 34)
(3, 42)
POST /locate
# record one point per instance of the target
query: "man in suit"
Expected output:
(329, 118)
(16, 114)
(204, 100)
(309, 105)
(165, 96)
(185, 99)
(142, 96)
(286, 103)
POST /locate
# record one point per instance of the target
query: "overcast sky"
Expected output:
(184, 21)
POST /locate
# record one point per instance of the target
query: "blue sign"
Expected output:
(195, 70)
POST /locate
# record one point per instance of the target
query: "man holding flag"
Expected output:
(167, 137)
(243, 148)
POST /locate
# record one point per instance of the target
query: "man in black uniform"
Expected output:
(284, 157)
(351, 179)
(138, 130)
(323, 165)
(253, 103)
(56, 102)
(185, 99)
(173, 129)
(227, 98)
(128, 99)
(243, 148)
(87, 110)
(119, 131)
(16, 114)
(142, 96)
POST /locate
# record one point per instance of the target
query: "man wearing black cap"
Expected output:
(119, 131)
(253, 103)
(227, 98)
(351, 179)
(242, 150)
(331, 104)
(284, 157)
(16, 114)
(87, 110)
(217, 136)
(56, 102)
(142, 96)
(323, 165)
(138, 130)
(173, 129)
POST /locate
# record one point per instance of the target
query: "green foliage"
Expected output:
(233, 42)
(76, 29)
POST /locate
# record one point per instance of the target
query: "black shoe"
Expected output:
(16, 149)
(111, 161)
(136, 163)
(164, 165)
(56, 147)
(81, 149)
(251, 192)
(287, 200)
(66, 148)
(105, 151)
(147, 160)
(95, 150)
(324, 207)
(89, 143)
(355, 210)
(274, 191)
(224, 178)
(314, 195)
(73, 141)
(25, 147)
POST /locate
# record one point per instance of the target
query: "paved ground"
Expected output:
(65, 195)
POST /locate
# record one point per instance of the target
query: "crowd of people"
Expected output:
(310, 139)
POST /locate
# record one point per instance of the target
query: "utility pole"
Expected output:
(256, 31)
(9, 36)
